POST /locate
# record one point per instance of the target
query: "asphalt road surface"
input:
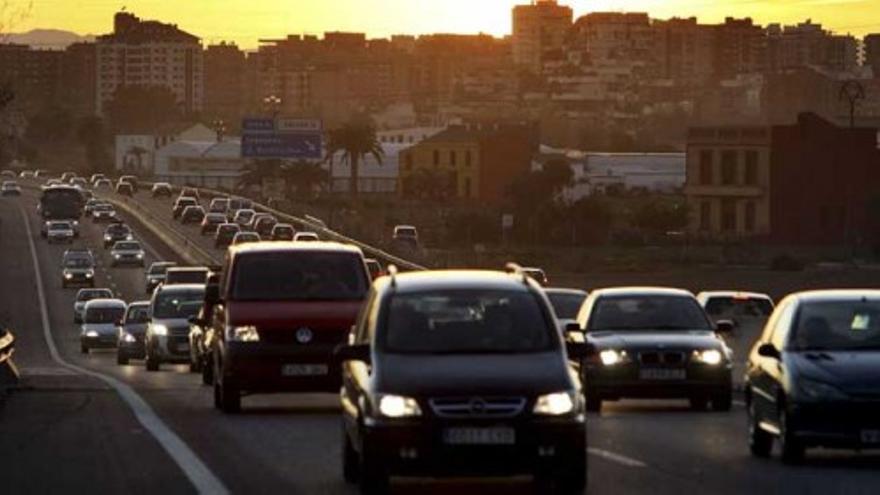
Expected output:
(76, 427)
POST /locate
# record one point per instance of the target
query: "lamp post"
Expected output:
(219, 126)
(273, 104)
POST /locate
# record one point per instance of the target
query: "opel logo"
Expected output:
(304, 335)
(478, 406)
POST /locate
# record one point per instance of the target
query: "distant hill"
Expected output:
(48, 38)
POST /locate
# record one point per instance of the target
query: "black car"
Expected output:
(461, 373)
(225, 234)
(116, 232)
(654, 343)
(125, 189)
(161, 190)
(202, 335)
(811, 378)
(132, 331)
(192, 214)
(156, 275)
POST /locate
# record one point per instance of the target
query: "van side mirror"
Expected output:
(725, 327)
(770, 351)
(353, 352)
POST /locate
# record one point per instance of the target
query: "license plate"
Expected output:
(871, 437)
(304, 370)
(479, 436)
(662, 374)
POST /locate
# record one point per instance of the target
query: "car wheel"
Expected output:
(791, 448)
(84, 349)
(722, 402)
(350, 460)
(121, 358)
(699, 403)
(594, 403)
(151, 362)
(760, 441)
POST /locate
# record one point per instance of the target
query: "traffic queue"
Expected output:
(435, 369)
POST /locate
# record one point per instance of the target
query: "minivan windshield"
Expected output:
(103, 315)
(299, 276)
(178, 304)
(837, 325)
(647, 312)
(466, 321)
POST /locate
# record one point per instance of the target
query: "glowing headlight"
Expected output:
(139, 255)
(108, 238)
(90, 274)
(396, 406)
(610, 357)
(129, 338)
(116, 256)
(246, 333)
(711, 357)
(160, 330)
(555, 404)
(68, 276)
(129, 237)
(91, 333)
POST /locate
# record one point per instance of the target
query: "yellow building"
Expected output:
(728, 181)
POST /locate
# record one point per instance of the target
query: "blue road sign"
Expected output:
(257, 125)
(287, 145)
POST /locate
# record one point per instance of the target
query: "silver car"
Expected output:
(103, 213)
(167, 339)
(78, 269)
(100, 318)
(60, 231)
(85, 295)
(127, 253)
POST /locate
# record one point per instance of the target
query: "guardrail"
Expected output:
(8, 372)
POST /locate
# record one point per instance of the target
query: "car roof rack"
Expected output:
(391, 270)
(516, 269)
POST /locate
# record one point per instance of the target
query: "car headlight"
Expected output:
(91, 333)
(129, 338)
(139, 255)
(90, 274)
(116, 255)
(108, 238)
(711, 357)
(68, 276)
(396, 406)
(246, 333)
(610, 357)
(160, 330)
(812, 390)
(556, 404)
(76, 223)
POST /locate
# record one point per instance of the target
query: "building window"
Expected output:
(467, 158)
(453, 158)
(706, 167)
(750, 216)
(436, 158)
(728, 215)
(728, 168)
(705, 216)
(751, 168)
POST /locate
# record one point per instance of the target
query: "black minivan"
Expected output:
(461, 373)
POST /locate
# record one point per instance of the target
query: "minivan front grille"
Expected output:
(477, 407)
(662, 357)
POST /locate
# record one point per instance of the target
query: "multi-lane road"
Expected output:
(82, 422)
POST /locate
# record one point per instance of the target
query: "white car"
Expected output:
(103, 213)
(100, 319)
(306, 237)
(60, 231)
(44, 228)
(127, 253)
(85, 295)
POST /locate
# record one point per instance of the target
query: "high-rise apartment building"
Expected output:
(872, 52)
(808, 44)
(225, 77)
(150, 53)
(78, 78)
(33, 75)
(537, 28)
(684, 50)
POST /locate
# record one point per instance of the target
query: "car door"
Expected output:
(767, 373)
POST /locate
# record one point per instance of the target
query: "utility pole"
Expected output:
(853, 92)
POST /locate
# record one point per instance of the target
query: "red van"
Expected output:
(280, 311)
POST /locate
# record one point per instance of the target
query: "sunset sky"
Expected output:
(245, 21)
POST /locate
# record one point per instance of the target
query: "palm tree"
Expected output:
(306, 177)
(355, 140)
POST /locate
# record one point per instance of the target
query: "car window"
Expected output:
(738, 307)
(78, 263)
(647, 312)
(178, 304)
(466, 321)
(299, 276)
(159, 269)
(103, 315)
(836, 325)
(128, 246)
(566, 305)
(187, 276)
(138, 314)
(88, 295)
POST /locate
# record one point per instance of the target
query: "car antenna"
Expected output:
(392, 272)
(515, 269)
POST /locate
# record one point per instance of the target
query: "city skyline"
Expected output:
(245, 22)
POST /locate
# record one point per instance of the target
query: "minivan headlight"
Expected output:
(160, 330)
(610, 357)
(247, 333)
(397, 406)
(557, 404)
(712, 357)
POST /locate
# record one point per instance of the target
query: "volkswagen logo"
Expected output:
(478, 406)
(304, 335)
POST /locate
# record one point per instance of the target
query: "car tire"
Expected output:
(699, 402)
(791, 448)
(594, 403)
(121, 358)
(151, 363)
(722, 401)
(350, 460)
(83, 349)
(760, 441)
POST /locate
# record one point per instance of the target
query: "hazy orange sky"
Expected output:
(245, 21)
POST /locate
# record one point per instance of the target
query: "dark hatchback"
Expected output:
(812, 377)
(280, 311)
(654, 343)
(460, 373)
(131, 332)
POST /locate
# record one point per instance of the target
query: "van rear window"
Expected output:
(299, 276)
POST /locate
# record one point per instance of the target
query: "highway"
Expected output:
(95, 425)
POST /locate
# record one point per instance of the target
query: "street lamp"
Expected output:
(273, 103)
(219, 126)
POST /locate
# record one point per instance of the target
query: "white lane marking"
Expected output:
(615, 457)
(192, 466)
